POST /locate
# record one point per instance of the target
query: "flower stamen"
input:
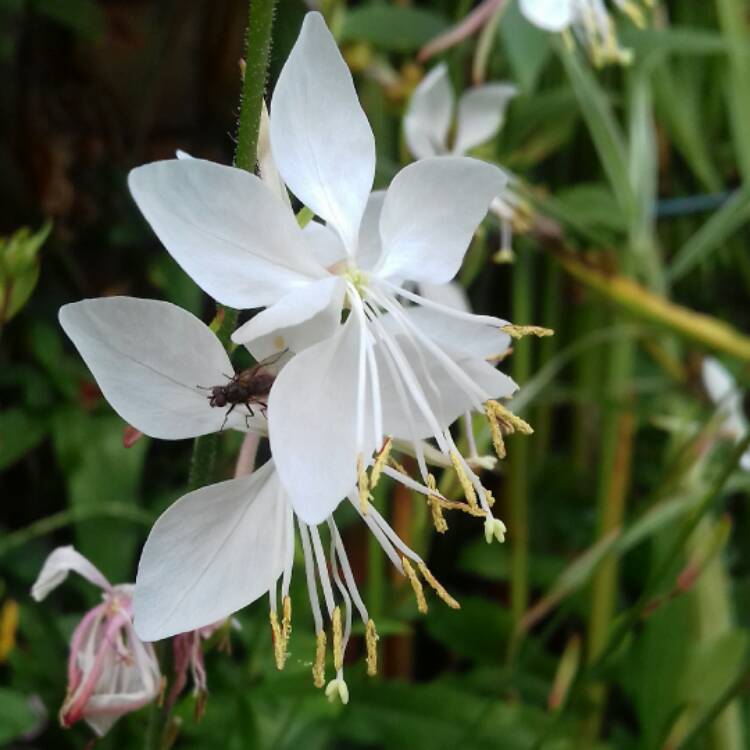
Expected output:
(441, 525)
(371, 641)
(319, 665)
(437, 587)
(416, 584)
(381, 460)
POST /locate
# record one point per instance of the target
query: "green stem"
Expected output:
(518, 450)
(257, 52)
(44, 526)
(551, 308)
(614, 479)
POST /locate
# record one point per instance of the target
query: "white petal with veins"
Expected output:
(209, 555)
(322, 141)
(228, 231)
(430, 214)
(154, 362)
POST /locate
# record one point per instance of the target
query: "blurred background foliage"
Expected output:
(617, 614)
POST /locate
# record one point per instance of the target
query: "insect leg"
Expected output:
(226, 417)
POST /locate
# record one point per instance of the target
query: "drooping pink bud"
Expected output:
(111, 672)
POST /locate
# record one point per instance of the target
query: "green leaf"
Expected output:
(20, 432)
(735, 24)
(426, 717)
(489, 624)
(16, 715)
(590, 205)
(393, 28)
(681, 40)
(603, 127)
(734, 214)
(175, 284)
(99, 470)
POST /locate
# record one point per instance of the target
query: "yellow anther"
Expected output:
(338, 640)
(489, 498)
(279, 645)
(416, 585)
(380, 461)
(465, 482)
(437, 586)
(363, 485)
(433, 499)
(319, 665)
(497, 434)
(508, 420)
(463, 507)
(286, 622)
(371, 641)
(634, 13)
(518, 332)
(398, 467)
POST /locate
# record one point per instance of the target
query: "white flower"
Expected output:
(111, 672)
(221, 547)
(590, 22)
(723, 391)
(386, 370)
(429, 120)
(430, 115)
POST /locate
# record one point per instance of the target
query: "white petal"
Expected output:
(292, 310)
(430, 214)
(230, 233)
(480, 114)
(266, 164)
(56, 568)
(322, 142)
(428, 116)
(550, 15)
(718, 381)
(324, 244)
(461, 338)
(450, 295)
(370, 244)
(312, 421)
(153, 362)
(210, 554)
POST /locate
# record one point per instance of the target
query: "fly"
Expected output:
(247, 388)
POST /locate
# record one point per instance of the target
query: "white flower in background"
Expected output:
(480, 114)
(111, 672)
(589, 21)
(222, 547)
(387, 370)
(723, 391)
